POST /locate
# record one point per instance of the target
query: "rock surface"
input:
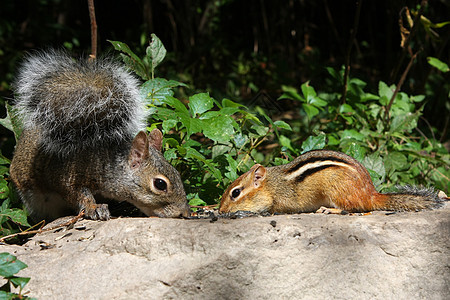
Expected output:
(306, 256)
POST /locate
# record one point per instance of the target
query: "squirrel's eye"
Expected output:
(160, 184)
(235, 193)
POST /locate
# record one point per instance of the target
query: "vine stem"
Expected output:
(41, 230)
(399, 85)
(93, 29)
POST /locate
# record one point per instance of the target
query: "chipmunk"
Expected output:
(82, 139)
(319, 178)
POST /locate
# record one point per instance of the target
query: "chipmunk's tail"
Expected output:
(409, 198)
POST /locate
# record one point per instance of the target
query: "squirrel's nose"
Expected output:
(186, 213)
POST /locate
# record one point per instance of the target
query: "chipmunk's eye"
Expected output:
(235, 193)
(160, 184)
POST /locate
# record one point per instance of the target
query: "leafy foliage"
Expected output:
(362, 126)
(212, 142)
(206, 140)
(9, 266)
(10, 218)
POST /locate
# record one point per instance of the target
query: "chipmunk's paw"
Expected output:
(329, 210)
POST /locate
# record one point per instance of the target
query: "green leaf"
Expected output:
(165, 114)
(260, 129)
(191, 153)
(210, 114)
(232, 168)
(286, 142)
(169, 124)
(155, 52)
(125, 49)
(314, 142)
(170, 154)
(5, 293)
(4, 160)
(130, 58)
(228, 111)
(318, 101)
(219, 129)
(438, 25)
(375, 163)
(158, 89)
(417, 98)
(356, 151)
(138, 67)
(291, 93)
(404, 122)
(240, 140)
(310, 110)
(352, 134)
(357, 82)
(219, 150)
(19, 281)
(10, 265)
(12, 121)
(395, 161)
(197, 202)
(177, 104)
(229, 103)
(335, 74)
(346, 108)
(199, 103)
(368, 96)
(440, 65)
(4, 190)
(385, 92)
(5, 204)
(16, 215)
(171, 142)
(6, 122)
(308, 91)
(192, 125)
(283, 125)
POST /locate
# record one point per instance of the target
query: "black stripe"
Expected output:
(316, 159)
(309, 172)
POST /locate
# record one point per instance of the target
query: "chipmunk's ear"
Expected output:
(155, 138)
(259, 174)
(139, 151)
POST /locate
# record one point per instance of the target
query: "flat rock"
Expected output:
(304, 256)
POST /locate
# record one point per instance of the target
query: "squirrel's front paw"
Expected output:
(97, 212)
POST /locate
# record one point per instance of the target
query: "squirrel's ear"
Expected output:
(139, 149)
(259, 174)
(155, 139)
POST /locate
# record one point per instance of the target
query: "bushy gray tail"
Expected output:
(76, 105)
(410, 198)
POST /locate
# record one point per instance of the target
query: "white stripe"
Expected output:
(314, 165)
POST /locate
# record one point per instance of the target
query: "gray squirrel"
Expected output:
(82, 138)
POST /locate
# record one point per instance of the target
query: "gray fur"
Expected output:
(78, 105)
(408, 197)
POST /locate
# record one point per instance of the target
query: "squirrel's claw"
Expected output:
(97, 212)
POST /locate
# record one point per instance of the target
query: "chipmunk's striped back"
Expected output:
(310, 163)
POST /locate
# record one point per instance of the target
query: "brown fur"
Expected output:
(315, 179)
